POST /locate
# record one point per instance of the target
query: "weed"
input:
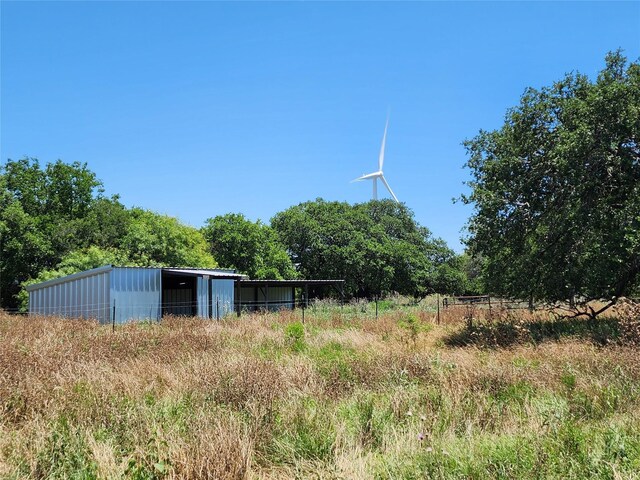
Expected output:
(342, 396)
(412, 326)
(294, 335)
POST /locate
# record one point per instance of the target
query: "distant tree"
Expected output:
(106, 224)
(556, 190)
(450, 275)
(251, 248)
(41, 218)
(74, 262)
(159, 240)
(472, 267)
(376, 247)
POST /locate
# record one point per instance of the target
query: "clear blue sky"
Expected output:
(200, 109)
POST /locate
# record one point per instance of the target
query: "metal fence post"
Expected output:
(490, 317)
(376, 297)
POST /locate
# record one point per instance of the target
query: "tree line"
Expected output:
(56, 220)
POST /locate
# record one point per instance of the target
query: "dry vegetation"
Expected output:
(344, 396)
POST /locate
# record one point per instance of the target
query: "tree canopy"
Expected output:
(56, 220)
(376, 247)
(42, 217)
(159, 240)
(556, 190)
(251, 248)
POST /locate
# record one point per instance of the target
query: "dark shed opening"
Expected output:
(179, 294)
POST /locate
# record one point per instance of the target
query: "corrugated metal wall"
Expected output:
(253, 298)
(137, 293)
(203, 297)
(222, 297)
(279, 297)
(86, 297)
(133, 294)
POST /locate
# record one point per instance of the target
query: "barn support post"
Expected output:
(239, 297)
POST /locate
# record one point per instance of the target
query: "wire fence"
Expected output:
(486, 301)
(155, 309)
(218, 308)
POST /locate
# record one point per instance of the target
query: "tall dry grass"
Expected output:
(350, 397)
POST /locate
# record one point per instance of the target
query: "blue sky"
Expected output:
(199, 109)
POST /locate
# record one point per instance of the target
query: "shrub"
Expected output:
(412, 326)
(294, 335)
(629, 315)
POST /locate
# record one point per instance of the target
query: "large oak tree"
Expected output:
(556, 190)
(376, 247)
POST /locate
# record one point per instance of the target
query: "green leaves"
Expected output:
(556, 189)
(251, 248)
(376, 247)
(55, 221)
(154, 239)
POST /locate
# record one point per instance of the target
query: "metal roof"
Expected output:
(197, 272)
(289, 283)
(218, 273)
(75, 276)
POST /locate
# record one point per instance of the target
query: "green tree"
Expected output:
(106, 224)
(42, 212)
(376, 247)
(251, 248)
(159, 240)
(556, 190)
(56, 220)
(472, 267)
(74, 262)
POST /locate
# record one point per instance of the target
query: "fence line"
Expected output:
(87, 309)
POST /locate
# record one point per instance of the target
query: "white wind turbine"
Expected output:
(378, 175)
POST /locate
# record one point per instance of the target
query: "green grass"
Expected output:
(337, 397)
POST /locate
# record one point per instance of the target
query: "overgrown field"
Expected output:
(342, 396)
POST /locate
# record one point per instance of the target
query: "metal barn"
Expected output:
(119, 294)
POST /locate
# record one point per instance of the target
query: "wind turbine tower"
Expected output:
(378, 175)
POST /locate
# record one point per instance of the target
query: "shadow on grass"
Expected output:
(601, 331)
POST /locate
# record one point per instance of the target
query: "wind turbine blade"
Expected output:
(389, 188)
(384, 141)
(367, 176)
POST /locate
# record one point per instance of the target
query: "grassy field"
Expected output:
(342, 396)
